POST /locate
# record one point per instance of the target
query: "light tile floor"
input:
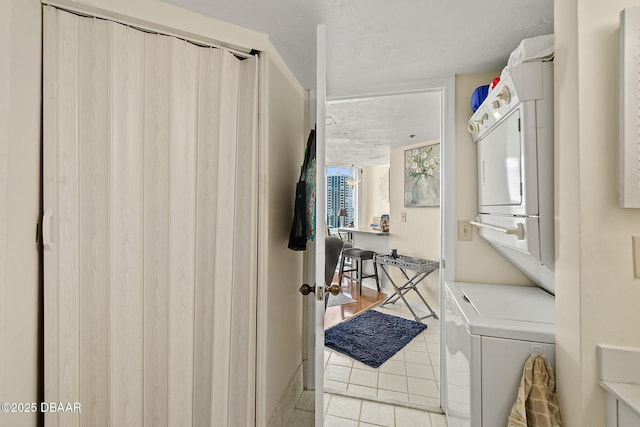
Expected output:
(342, 411)
(411, 377)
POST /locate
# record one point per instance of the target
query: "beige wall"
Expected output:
(19, 204)
(474, 257)
(597, 296)
(283, 136)
(419, 236)
(283, 302)
(375, 192)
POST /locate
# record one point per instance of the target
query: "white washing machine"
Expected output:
(490, 332)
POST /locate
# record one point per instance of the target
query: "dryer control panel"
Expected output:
(518, 84)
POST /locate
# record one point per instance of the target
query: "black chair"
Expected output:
(357, 257)
(332, 248)
(346, 239)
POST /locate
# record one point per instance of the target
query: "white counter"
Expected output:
(366, 238)
(369, 231)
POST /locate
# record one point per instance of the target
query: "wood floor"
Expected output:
(369, 299)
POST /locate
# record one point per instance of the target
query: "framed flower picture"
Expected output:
(422, 176)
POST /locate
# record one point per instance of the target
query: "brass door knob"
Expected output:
(306, 289)
(333, 290)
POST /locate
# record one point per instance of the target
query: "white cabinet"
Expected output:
(627, 417)
(619, 414)
(619, 375)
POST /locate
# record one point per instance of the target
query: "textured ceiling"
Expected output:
(376, 46)
(362, 131)
(376, 43)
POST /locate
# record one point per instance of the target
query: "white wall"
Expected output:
(375, 192)
(283, 134)
(596, 294)
(419, 236)
(19, 204)
(476, 260)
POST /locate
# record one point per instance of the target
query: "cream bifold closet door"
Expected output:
(150, 227)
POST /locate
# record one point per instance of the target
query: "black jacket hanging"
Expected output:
(298, 235)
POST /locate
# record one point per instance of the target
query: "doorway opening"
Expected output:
(380, 134)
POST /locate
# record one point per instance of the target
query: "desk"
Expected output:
(421, 267)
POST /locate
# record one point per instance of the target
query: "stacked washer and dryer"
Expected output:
(491, 330)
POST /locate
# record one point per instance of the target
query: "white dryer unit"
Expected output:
(490, 332)
(513, 129)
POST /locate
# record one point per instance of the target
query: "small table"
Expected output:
(421, 267)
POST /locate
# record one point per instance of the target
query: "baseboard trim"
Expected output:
(284, 410)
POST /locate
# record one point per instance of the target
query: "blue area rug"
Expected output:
(372, 337)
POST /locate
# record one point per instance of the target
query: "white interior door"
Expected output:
(321, 218)
(150, 227)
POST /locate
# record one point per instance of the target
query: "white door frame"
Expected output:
(446, 87)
